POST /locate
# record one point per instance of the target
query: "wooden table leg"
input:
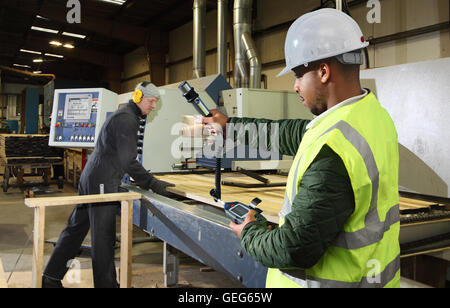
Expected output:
(38, 246)
(47, 172)
(126, 243)
(20, 174)
(3, 280)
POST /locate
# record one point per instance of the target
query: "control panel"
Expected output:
(78, 116)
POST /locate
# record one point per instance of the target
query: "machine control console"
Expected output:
(78, 115)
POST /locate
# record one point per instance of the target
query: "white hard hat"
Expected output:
(320, 35)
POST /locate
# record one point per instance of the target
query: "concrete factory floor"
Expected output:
(16, 224)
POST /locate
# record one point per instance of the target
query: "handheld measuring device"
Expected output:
(238, 211)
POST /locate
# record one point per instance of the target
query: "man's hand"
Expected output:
(238, 228)
(160, 187)
(217, 117)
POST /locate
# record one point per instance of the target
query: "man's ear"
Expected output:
(324, 72)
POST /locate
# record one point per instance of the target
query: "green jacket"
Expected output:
(322, 206)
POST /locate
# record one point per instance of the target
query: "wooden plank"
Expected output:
(22, 135)
(262, 164)
(126, 243)
(38, 247)
(73, 200)
(3, 281)
(416, 202)
(197, 187)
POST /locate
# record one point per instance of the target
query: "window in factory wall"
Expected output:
(13, 104)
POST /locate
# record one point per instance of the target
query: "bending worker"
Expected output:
(114, 156)
(339, 224)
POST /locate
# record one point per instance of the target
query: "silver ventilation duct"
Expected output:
(199, 38)
(222, 9)
(242, 25)
(255, 63)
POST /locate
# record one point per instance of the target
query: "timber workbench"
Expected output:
(40, 204)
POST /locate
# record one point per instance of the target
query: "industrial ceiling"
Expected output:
(109, 29)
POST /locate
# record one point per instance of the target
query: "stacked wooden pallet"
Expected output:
(26, 147)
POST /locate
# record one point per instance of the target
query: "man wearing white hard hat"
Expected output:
(339, 223)
(114, 156)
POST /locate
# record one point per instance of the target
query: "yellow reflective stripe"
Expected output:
(374, 229)
(372, 233)
(286, 208)
(361, 145)
(297, 276)
(380, 280)
(287, 204)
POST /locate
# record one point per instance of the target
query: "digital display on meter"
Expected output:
(78, 107)
(239, 210)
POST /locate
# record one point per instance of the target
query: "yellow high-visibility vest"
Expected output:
(367, 251)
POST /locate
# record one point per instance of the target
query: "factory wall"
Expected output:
(135, 69)
(396, 16)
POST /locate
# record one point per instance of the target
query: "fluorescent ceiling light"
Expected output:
(44, 29)
(21, 65)
(31, 51)
(38, 60)
(81, 36)
(40, 17)
(37, 72)
(53, 55)
(69, 46)
(55, 43)
(118, 2)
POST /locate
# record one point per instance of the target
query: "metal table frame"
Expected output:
(199, 232)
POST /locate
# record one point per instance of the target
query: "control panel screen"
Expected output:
(78, 107)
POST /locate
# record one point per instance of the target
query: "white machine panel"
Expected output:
(78, 116)
(417, 97)
(267, 104)
(163, 128)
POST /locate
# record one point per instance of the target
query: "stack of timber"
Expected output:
(18, 149)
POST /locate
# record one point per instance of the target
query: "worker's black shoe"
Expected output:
(48, 283)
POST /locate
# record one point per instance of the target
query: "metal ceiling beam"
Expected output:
(153, 20)
(187, 5)
(128, 4)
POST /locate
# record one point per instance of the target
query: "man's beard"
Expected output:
(320, 106)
